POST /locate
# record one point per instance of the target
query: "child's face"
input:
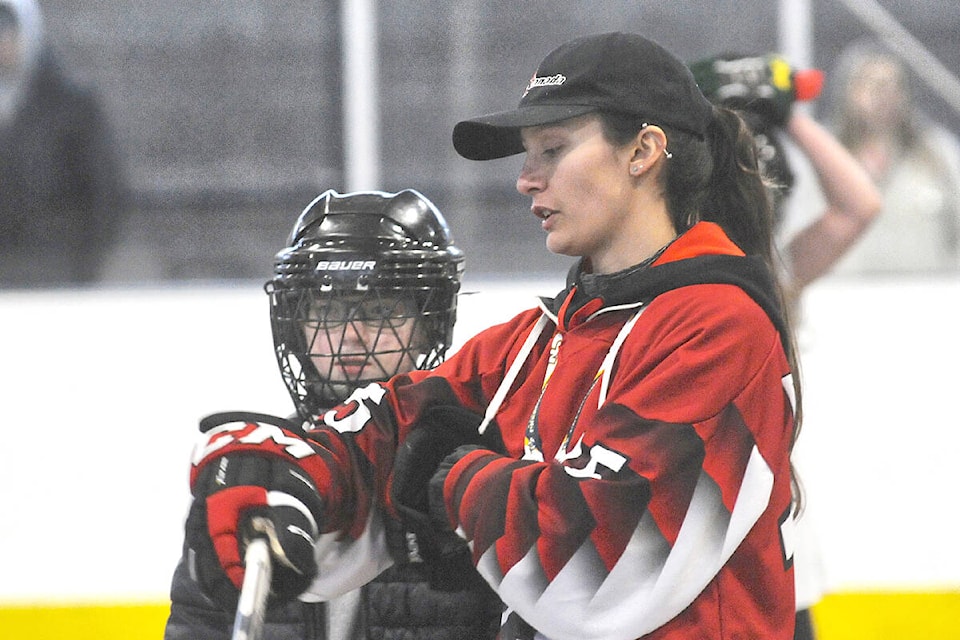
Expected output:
(353, 338)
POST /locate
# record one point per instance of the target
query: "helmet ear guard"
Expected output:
(362, 263)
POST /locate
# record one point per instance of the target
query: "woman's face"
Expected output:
(351, 339)
(581, 190)
(877, 94)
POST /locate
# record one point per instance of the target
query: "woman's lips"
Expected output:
(545, 215)
(542, 212)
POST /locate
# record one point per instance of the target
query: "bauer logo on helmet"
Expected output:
(346, 265)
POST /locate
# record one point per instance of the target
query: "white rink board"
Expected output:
(102, 391)
(879, 449)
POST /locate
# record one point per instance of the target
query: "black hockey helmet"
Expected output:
(381, 265)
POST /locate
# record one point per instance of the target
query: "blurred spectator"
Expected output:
(62, 193)
(914, 160)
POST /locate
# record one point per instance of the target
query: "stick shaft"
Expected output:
(252, 606)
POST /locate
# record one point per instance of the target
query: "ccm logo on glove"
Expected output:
(251, 434)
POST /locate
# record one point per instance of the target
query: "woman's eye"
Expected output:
(552, 152)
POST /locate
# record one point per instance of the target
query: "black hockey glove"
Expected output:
(441, 431)
(764, 85)
(437, 504)
(251, 478)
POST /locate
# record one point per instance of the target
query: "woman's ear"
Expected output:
(650, 146)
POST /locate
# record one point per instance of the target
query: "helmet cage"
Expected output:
(358, 298)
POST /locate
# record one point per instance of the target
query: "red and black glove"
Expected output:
(253, 475)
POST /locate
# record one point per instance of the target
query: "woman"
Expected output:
(914, 160)
(631, 473)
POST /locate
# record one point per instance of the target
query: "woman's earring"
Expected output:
(635, 168)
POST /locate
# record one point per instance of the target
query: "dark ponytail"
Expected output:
(716, 178)
(739, 200)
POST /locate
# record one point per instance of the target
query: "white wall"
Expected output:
(102, 391)
(102, 394)
(881, 438)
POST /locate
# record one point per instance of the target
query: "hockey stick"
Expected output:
(252, 606)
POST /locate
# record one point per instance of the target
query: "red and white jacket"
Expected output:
(646, 487)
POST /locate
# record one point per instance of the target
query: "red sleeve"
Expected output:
(365, 429)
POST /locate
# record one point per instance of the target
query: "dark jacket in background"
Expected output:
(62, 190)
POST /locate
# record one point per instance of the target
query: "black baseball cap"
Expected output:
(621, 73)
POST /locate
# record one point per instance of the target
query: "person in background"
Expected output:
(63, 194)
(869, 104)
(616, 460)
(765, 89)
(366, 289)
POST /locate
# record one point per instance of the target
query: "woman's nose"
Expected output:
(530, 180)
